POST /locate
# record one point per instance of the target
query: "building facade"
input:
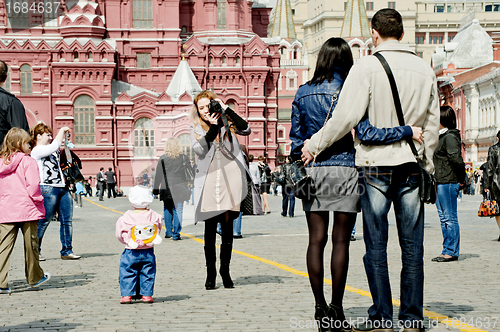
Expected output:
(122, 74)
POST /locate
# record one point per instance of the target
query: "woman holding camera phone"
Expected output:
(220, 169)
(56, 195)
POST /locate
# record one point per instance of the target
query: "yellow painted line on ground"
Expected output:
(427, 313)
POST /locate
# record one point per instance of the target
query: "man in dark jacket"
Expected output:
(287, 191)
(12, 112)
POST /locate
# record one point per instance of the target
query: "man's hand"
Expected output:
(306, 155)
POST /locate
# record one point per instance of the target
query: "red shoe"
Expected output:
(126, 300)
(147, 299)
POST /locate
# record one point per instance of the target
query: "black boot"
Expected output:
(225, 259)
(211, 270)
(321, 317)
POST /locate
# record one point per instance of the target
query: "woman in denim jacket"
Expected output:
(335, 175)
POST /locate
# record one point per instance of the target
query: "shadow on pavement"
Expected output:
(259, 279)
(98, 254)
(449, 309)
(171, 298)
(467, 256)
(43, 324)
(358, 315)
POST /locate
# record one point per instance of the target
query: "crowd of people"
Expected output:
(367, 174)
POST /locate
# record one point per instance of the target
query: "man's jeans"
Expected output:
(379, 186)
(58, 200)
(288, 197)
(173, 212)
(446, 204)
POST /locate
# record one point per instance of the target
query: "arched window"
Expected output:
(144, 138)
(26, 81)
(143, 14)
(84, 120)
(6, 85)
(185, 142)
(355, 49)
(221, 14)
(284, 53)
(295, 53)
(237, 61)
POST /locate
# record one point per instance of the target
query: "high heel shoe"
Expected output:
(211, 276)
(226, 277)
(337, 319)
(225, 259)
(320, 314)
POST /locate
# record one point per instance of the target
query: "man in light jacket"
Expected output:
(389, 173)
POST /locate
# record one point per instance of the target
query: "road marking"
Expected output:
(443, 319)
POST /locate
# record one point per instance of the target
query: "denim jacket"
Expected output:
(309, 110)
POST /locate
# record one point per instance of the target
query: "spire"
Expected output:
(282, 24)
(183, 81)
(355, 22)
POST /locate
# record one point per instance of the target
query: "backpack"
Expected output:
(265, 173)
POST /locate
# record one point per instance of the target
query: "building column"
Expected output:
(210, 8)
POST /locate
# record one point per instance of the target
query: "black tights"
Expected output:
(317, 223)
(226, 222)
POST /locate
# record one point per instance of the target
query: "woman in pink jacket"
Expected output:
(21, 203)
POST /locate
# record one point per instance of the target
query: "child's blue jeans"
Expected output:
(136, 264)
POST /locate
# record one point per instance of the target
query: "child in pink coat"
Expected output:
(139, 230)
(21, 205)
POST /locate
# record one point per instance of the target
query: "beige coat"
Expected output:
(367, 89)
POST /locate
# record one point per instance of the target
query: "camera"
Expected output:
(214, 107)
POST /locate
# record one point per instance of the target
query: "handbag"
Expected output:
(428, 185)
(251, 203)
(302, 184)
(71, 170)
(188, 169)
(488, 208)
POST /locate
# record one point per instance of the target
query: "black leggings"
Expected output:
(226, 221)
(317, 223)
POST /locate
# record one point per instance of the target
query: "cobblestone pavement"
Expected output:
(272, 291)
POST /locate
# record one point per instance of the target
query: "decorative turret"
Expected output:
(183, 82)
(83, 19)
(355, 24)
(282, 24)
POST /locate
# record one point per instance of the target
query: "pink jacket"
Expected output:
(139, 229)
(20, 196)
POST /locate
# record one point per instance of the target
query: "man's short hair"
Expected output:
(110, 169)
(261, 158)
(250, 157)
(388, 23)
(4, 69)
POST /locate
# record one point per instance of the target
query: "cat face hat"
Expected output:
(140, 197)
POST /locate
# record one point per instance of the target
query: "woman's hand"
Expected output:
(417, 134)
(213, 118)
(224, 106)
(61, 133)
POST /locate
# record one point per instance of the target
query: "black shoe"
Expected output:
(498, 239)
(440, 259)
(226, 277)
(353, 238)
(283, 214)
(321, 317)
(237, 236)
(291, 216)
(177, 239)
(168, 236)
(368, 326)
(336, 316)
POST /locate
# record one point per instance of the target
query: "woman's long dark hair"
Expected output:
(334, 56)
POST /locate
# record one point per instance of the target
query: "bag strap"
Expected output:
(164, 174)
(334, 99)
(397, 102)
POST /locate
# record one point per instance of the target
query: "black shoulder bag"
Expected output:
(428, 189)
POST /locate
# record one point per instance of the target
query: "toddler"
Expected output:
(139, 230)
(21, 203)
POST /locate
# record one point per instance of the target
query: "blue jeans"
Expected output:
(379, 187)
(288, 197)
(236, 226)
(135, 264)
(446, 204)
(173, 212)
(58, 200)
